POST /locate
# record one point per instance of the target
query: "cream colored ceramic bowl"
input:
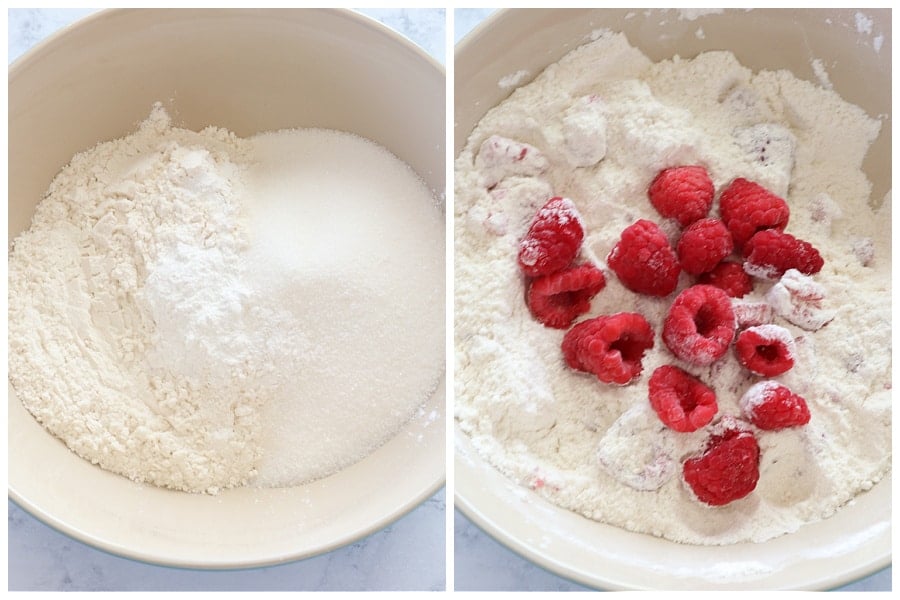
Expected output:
(854, 542)
(247, 71)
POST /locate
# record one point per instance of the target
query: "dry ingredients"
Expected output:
(200, 311)
(596, 128)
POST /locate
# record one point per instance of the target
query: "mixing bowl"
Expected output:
(247, 71)
(518, 44)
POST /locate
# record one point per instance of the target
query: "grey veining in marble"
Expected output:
(482, 563)
(407, 555)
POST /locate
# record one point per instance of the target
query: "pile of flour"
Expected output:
(591, 447)
(162, 333)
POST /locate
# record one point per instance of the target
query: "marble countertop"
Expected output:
(482, 563)
(407, 555)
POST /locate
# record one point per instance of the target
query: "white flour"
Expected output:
(556, 431)
(162, 332)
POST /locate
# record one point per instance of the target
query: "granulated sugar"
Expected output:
(599, 449)
(348, 240)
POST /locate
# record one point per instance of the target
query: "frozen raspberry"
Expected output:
(500, 157)
(682, 193)
(644, 261)
(637, 450)
(584, 131)
(553, 239)
(703, 245)
(682, 401)
(700, 325)
(798, 299)
(748, 313)
(747, 207)
(771, 406)
(728, 468)
(772, 146)
(766, 350)
(769, 253)
(610, 346)
(729, 276)
(864, 250)
(559, 298)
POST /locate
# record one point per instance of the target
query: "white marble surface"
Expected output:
(480, 562)
(407, 555)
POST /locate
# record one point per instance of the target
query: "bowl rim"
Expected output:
(483, 518)
(427, 489)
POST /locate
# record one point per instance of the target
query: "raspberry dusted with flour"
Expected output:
(700, 325)
(729, 276)
(644, 261)
(558, 299)
(682, 193)
(748, 313)
(610, 346)
(766, 350)
(681, 401)
(747, 207)
(553, 239)
(728, 468)
(500, 157)
(772, 406)
(769, 254)
(703, 245)
(800, 300)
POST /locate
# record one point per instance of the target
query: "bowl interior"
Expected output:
(854, 542)
(247, 71)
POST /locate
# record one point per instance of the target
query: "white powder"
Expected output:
(594, 448)
(199, 312)
(107, 348)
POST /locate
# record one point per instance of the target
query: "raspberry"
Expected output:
(609, 346)
(728, 468)
(500, 157)
(748, 313)
(553, 239)
(771, 406)
(703, 245)
(644, 261)
(747, 207)
(700, 325)
(770, 253)
(681, 400)
(798, 299)
(729, 276)
(557, 299)
(766, 350)
(682, 193)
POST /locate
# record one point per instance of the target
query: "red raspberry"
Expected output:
(770, 253)
(700, 325)
(728, 469)
(703, 245)
(729, 276)
(766, 350)
(610, 346)
(747, 207)
(681, 400)
(559, 298)
(644, 261)
(748, 313)
(553, 239)
(771, 406)
(682, 193)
